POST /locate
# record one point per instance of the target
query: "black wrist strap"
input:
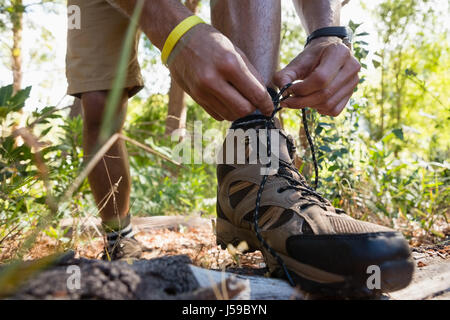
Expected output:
(344, 33)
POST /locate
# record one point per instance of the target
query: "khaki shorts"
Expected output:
(93, 51)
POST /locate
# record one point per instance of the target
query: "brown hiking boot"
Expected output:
(122, 249)
(323, 249)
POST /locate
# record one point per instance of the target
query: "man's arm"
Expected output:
(158, 19)
(204, 62)
(316, 14)
(328, 69)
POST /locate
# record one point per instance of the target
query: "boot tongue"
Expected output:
(286, 148)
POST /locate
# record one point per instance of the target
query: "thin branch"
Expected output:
(152, 151)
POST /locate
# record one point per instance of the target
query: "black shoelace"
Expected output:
(294, 184)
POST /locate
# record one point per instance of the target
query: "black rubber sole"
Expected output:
(395, 275)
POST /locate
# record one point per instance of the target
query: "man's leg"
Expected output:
(110, 178)
(113, 168)
(93, 52)
(254, 26)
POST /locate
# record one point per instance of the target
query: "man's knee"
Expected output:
(94, 105)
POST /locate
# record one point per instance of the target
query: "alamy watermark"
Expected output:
(374, 280)
(73, 17)
(238, 147)
(73, 281)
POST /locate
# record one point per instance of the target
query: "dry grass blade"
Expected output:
(152, 151)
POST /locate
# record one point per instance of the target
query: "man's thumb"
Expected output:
(298, 69)
(284, 76)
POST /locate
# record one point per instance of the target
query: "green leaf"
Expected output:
(376, 63)
(5, 94)
(333, 168)
(318, 130)
(3, 112)
(45, 131)
(398, 133)
(18, 101)
(353, 25)
(325, 148)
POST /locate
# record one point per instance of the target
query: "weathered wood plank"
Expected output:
(256, 288)
(428, 282)
(91, 226)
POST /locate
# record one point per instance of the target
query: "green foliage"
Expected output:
(385, 157)
(160, 187)
(22, 192)
(389, 176)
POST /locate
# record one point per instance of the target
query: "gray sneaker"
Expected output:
(123, 249)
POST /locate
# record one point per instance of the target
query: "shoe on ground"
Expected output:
(123, 249)
(325, 250)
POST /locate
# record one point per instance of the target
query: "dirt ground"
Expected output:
(197, 242)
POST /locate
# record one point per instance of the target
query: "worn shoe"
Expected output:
(324, 250)
(123, 249)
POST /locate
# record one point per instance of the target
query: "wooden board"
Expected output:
(431, 281)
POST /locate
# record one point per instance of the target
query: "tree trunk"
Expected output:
(16, 50)
(382, 96)
(176, 115)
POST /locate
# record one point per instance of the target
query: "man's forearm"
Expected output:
(316, 14)
(158, 17)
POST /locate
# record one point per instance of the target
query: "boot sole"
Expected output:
(395, 275)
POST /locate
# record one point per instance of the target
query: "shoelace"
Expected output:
(295, 184)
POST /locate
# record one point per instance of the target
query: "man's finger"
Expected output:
(210, 110)
(215, 107)
(223, 110)
(331, 61)
(242, 77)
(297, 69)
(346, 74)
(212, 113)
(337, 109)
(233, 99)
(329, 108)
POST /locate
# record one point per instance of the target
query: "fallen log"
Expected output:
(166, 278)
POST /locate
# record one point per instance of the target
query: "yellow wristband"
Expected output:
(176, 34)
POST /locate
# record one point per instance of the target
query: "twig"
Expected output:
(90, 166)
(9, 233)
(152, 151)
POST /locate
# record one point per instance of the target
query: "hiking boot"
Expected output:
(123, 249)
(324, 250)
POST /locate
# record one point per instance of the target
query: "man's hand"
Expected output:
(217, 75)
(329, 72)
